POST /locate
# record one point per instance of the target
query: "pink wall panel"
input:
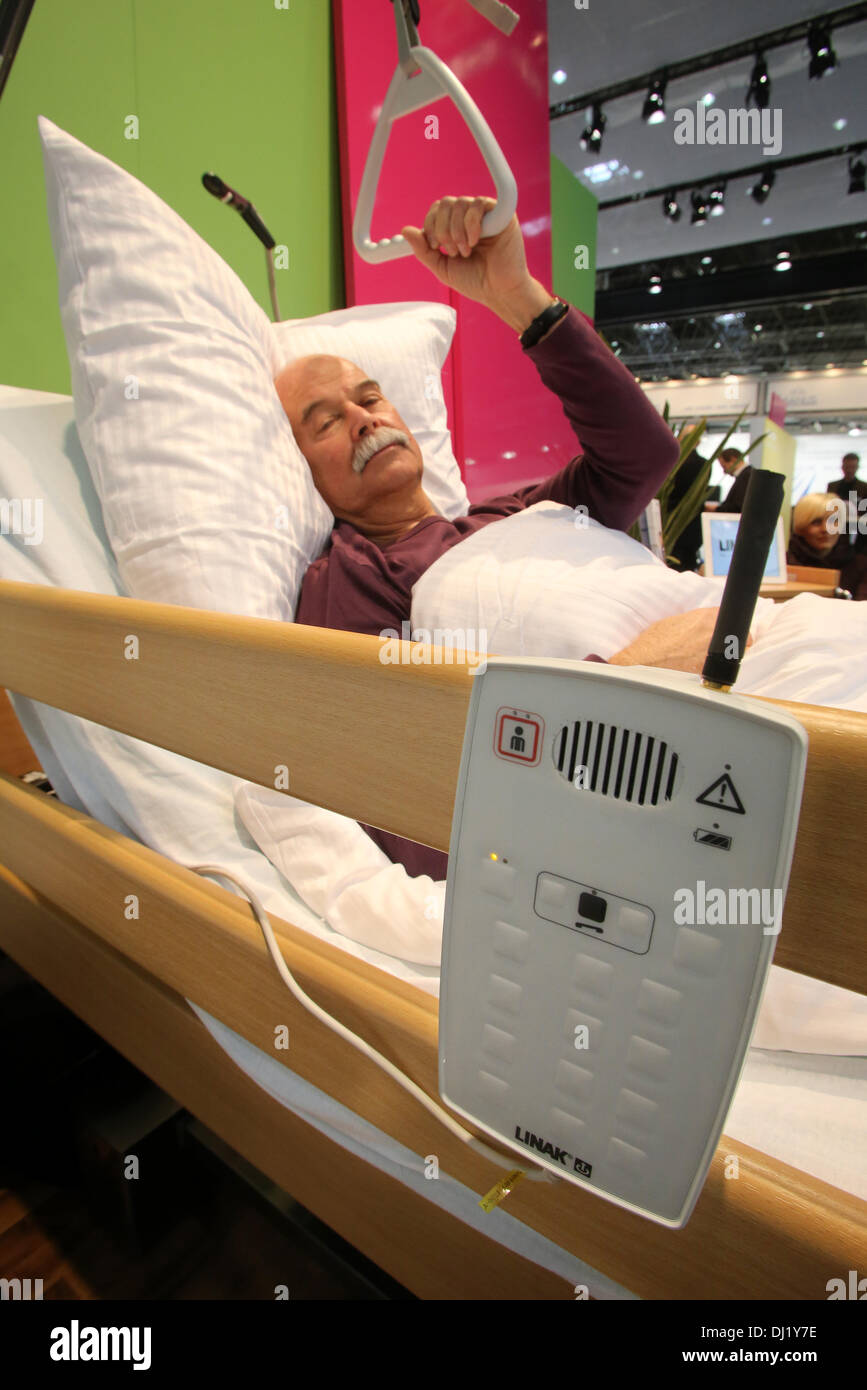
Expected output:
(507, 428)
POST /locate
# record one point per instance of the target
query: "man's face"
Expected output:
(850, 467)
(730, 464)
(340, 418)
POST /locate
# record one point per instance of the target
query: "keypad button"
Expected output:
(659, 1002)
(553, 898)
(592, 977)
(497, 878)
(636, 1110)
(498, 1043)
(575, 1082)
(494, 1087)
(626, 1157)
(592, 907)
(568, 1129)
(511, 942)
(504, 994)
(634, 925)
(696, 952)
(649, 1058)
(589, 1041)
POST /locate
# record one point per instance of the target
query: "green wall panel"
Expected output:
(574, 212)
(243, 89)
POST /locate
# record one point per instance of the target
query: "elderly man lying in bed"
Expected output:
(369, 468)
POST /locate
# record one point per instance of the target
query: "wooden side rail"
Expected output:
(772, 1232)
(249, 696)
(417, 1243)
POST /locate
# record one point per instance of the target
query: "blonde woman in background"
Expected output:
(821, 538)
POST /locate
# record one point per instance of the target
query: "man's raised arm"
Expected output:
(628, 450)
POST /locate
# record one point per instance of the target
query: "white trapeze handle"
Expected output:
(407, 94)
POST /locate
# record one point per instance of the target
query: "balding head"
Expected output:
(365, 463)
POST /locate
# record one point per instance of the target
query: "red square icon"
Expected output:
(518, 736)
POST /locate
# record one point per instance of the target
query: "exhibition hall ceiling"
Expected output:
(807, 211)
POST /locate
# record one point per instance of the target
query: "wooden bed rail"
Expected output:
(771, 1232)
(251, 696)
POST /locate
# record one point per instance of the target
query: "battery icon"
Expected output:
(713, 838)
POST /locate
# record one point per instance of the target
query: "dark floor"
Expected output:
(204, 1225)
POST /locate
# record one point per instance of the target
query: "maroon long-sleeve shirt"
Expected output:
(359, 586)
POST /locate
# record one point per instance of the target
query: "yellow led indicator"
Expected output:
(495, 856)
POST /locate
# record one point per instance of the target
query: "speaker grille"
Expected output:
(616, 762)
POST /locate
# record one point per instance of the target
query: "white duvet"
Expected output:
(538, 584)
(545, 583)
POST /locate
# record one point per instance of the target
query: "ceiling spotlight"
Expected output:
(760, 190)
(670, 208)
(655, 284)
(822, 56)
(857, 172)
(700, 208)
(716, 198)
(759, 91)
(653, 110)
(591, 135)
(784, 261)
(559, 77)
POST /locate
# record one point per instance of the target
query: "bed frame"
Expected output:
(321, 703)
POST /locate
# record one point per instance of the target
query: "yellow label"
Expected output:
(501, 1189)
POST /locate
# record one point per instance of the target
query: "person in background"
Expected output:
(734, 463)
(686, 548)
(817, 523)
(841, 487)
(853, 491)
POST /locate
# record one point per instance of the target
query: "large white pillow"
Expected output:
(206, 497)
(403, 347)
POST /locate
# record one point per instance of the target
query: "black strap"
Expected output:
(540, 325)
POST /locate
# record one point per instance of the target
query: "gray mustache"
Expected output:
(372, 443)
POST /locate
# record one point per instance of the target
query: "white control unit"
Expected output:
(620, 851)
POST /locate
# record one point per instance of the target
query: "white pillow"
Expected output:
(403, 347)
(207, 499)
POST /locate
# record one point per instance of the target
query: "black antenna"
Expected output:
(762, 503)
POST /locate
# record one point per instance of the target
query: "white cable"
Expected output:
(534, 1175)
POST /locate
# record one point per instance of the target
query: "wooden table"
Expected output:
(780, 592)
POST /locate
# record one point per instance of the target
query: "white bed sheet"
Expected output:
(40, 458)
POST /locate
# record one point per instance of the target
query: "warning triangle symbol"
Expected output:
(722, 795)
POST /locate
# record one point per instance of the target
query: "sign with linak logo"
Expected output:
(552, 1151)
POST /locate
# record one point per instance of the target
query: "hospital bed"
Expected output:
(170, 967)
(338, 714)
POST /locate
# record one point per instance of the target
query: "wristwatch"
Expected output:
(540, 325)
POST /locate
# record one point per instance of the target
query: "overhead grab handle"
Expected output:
(421, 79)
